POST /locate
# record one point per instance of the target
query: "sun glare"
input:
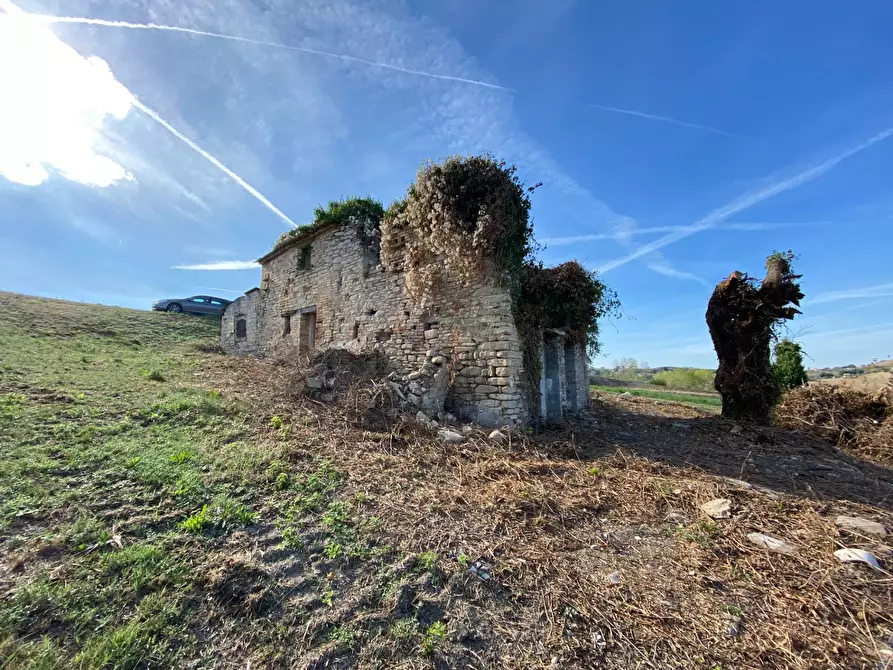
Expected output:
(53, 103)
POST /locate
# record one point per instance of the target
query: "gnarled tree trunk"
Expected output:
(740, 317)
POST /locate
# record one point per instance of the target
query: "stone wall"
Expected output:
(239, 326)
(466, 335)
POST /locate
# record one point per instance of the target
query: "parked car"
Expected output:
(197, 304)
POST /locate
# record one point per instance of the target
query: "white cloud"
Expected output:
(219, 265)
(876, 291)
(61, 101)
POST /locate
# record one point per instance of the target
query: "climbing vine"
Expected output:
(469, 216)
(466, 216)
(567, 297)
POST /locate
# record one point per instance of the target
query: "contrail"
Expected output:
(746, 201)
(46, 18)
(576, 239)
(216, 163)
(665, 119)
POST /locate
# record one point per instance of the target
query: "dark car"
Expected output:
(197, 304)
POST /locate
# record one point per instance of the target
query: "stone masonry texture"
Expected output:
(460, 351)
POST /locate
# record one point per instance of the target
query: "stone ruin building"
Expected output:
(460, 353)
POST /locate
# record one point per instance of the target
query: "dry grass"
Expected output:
(553, 514)
(343, 535)
(857, 421)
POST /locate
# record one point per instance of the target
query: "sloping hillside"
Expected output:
(162, 505)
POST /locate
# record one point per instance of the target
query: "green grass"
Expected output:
(689, 379)
(124, 482)
(691, 399)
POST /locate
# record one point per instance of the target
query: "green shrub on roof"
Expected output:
(365, 213)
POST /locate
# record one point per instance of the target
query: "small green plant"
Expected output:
(403, 630)
(594, 471)
(332, 548)
(277, 422)
(291, 538)
(427, 560)
(152, 375)
(282, 481)
(343, 636)
(196, 523)
(463, 560)
(734, 610)
(337, 515)
(228, 510)
(328, 597)
(701, 532)
(182, 456)
(434, 637)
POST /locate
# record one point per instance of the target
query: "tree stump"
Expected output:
(741, 317)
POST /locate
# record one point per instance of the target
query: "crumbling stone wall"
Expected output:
(239, 325)
(462, 346)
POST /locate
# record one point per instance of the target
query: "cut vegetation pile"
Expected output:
(162, 505)
(859, 422)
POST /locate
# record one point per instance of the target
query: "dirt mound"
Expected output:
(856, 421)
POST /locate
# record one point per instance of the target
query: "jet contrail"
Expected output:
(746, 201)
(665, 119)
(46, 18)
(216, 163)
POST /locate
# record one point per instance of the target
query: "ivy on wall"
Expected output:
(470, 216)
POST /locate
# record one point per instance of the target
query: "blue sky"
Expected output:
(676, 142)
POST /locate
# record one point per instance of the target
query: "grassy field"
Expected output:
(123, 481)
(163, 505)
(687, 398)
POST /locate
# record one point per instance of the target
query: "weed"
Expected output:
(196, 523)
(182, 456)
(152, 375)
(343, 636)
(291, 538)
(427, 560)
(734, 610)
(337, 516)
(282, 481)
(229, 510)
(332, 548)
(463, 560)
(701, 532)
(325, 480)
(403, 630)
(371, 524)
(434, 637)
(188, 484)
(85, 531)
(125, 647)
(594, 471)
(328, 597)
(277, 422)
